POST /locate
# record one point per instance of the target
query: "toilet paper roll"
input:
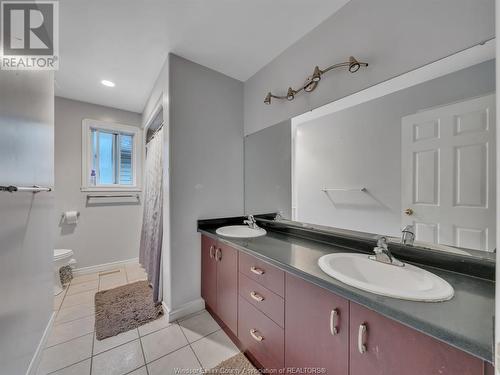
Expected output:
(71, 217)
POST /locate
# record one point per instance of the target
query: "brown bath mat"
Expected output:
(236, 365)
(124, 308)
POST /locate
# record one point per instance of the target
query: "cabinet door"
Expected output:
(209, 272)
(316, 328)
(227, 286)
(394, 349)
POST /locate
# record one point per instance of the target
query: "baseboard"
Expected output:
(185, 309)
(103, 267)
(35, 361)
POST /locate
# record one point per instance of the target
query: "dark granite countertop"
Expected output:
(465, 322)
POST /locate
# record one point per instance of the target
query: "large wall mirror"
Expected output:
(416, 151)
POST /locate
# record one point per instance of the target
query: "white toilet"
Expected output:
(62, 257)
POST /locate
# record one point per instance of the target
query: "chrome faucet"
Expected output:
(383, 254)
(408, 235)
(251, 222)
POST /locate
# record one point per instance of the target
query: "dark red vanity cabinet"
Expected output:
(316, 328)
(227, 286)
(286, 322)
(381, 346)
(219, 280)
(209, 272)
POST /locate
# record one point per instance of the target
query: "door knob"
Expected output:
(408, 211)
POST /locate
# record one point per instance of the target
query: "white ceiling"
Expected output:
(127, 41)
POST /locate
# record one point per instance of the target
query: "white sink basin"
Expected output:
(408, 282)
(240, 231)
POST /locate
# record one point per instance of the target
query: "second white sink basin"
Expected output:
(240, 231)
(408, 282)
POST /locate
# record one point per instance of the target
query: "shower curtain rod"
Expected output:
(154, 133)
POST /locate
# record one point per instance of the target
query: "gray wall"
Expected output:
(268, 170)
(104, 233)
(394, 36)
(206, 165)
(26, 220)
(361, 146)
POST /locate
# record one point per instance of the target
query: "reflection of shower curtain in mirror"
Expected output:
(152, 223)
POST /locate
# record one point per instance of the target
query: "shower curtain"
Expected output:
(152, 222)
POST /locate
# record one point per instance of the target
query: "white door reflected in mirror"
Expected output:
(447, 168)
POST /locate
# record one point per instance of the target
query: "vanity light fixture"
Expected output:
(354, 65)
(312, 81)
(316, 77)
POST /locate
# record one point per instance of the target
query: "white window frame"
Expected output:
(87, 125)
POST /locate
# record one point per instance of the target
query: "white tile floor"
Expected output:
(157, 348)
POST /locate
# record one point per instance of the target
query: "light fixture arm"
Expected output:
(312, 81)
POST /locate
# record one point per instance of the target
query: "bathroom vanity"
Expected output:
(279, 307)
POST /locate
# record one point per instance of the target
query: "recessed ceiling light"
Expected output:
(105, 82)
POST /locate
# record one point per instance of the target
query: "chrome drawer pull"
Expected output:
(256, 296)
(361, 338)
(255, 335)
(257, 271)
(334, 322)
(211, 251)
(218, 254)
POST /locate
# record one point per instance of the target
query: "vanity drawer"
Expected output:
(265, 274)
(259, 335)
(263, 299)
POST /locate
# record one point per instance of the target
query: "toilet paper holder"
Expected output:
(64, 218)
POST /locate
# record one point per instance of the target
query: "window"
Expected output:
(110, 159)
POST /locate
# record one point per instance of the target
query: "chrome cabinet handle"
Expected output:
(334, 322)
(257, 271)
(361, 338)
(256, 296)
(211, 251)
(218, 254)
(255, 335)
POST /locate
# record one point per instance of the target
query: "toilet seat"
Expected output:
(62, 253)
